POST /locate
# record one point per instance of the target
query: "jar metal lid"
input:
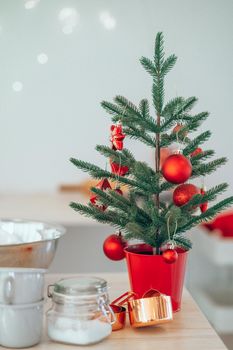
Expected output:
(80, 286)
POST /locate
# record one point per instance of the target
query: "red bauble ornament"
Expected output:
(203, 206)
(102, 185)
(196, 152)
(177, 169)
(117, 136)
(170, 256)
(178, 129)
(113, 247)
(184, 193)
(118, 190)
(117, 169)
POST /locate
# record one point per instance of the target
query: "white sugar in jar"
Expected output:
(80, 312)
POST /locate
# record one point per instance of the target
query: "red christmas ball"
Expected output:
(170, 256)
(184, 193)
(177, 169)
(113, 247)
(196, 152)
(119, 191)
(178, 129)
(203, 206)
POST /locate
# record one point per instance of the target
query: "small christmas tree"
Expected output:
(143, 214)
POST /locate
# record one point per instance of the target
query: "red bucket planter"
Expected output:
(147, 271)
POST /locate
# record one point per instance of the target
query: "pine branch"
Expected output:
(194, 122)
(148, 65)
(207, 215)
(144, 217)
(208, 168)
(127, 105)
(113, 218)
(182, 242)
(210, 195)
(145, 115)
(168, 123)
(156, 219)
(171, 108)
(144, 108)
(158, 94)
(168, 64)
(112, 108)
(138, 134)
(144, 174)
(167, 140)
(107, 200)
(166, 186)
(124, 158)
(133, 114)
(113, 199)
(158, 80)
(126, 153)
(134, 231)
(178, 106)
(159, 51)
(196, 142)
(201, 156)
(98, 173)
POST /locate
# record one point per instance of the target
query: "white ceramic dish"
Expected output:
(21, 285)
(21, 325)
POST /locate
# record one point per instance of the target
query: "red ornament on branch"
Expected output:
(197, 151)
(117, 169)
(102, 185)
(113, 247)
(184, 193)
(119, 191)
(178, 129)
(117, 136)
(170, 256)
(203, 206)
(177, 169)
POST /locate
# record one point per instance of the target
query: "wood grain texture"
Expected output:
(189, 331)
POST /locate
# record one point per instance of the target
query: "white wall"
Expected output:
(57, 113)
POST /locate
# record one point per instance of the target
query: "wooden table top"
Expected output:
(188, 331)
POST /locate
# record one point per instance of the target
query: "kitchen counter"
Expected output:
(188, 331)
(46, 207)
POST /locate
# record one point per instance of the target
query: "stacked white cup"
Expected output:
(21, 306)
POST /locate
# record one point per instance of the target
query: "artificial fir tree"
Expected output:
(143, 214)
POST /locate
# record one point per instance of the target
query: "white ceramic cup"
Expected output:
(21, 285)
(21, 325)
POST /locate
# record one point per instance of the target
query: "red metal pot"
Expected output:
(147, 271)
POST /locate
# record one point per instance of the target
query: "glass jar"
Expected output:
(80, 312)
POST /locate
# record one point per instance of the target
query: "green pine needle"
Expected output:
(208, 168)
(148, 65)
(196, 142)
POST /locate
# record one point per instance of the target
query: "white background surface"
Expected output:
(92, 54)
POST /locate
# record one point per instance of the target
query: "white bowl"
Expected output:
(21, 325)
(28, 243)
(21, 285)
